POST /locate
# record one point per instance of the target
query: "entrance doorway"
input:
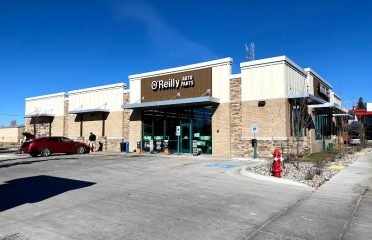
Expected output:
(185, 138)
(195, 124)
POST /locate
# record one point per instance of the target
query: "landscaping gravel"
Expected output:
(311, 174)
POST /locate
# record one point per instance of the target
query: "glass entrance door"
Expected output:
(185, 138)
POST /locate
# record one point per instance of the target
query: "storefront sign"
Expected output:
(158, 137)
(323, 90)
(206, 138)
(147, 138)
(185, 82)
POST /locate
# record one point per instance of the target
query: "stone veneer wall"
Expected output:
(28, 127)
(126, 118)
(265, 148)
(221, 130)
(236, 117)
(65, 118)
(41, 125)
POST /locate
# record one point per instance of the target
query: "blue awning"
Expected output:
(197, 101)
(311, 97)
(90, 110)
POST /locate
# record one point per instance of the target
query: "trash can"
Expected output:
(330, 147)
(123, 147)
(127, 147)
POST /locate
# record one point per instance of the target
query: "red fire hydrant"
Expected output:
(276, 164)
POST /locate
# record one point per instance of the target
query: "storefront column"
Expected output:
(81, 124)
(135, 128)
(221, 130)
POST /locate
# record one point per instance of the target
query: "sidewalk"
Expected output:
(340, 209)
(175, 155)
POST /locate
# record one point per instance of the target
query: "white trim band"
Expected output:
(214, 63)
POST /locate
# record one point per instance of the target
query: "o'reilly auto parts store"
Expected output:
(215, 109)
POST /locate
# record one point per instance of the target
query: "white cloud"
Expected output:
(165, 39)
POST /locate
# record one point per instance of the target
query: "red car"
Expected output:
(27, 139)
(48, 145)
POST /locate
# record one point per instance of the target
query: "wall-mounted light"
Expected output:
(261, 103)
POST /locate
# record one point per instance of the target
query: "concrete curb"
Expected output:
(246, 173)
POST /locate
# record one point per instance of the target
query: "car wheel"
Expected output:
(45, 152)
(80, 150)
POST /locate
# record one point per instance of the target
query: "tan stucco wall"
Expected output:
(10, 135)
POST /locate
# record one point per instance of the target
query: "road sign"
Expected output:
(178, 131)
(254, 128)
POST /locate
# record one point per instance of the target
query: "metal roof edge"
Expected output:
(227, 60)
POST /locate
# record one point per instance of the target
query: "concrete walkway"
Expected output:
(340, 209)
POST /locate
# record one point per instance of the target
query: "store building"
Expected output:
(272, 100)
(75, 114)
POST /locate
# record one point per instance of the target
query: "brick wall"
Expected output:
(135, 128)
(221, 130)
(273, 122)
(272, 119)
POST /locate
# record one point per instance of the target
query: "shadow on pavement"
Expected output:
(6, 165)
(35, 189)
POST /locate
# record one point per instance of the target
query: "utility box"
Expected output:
(330, 147)
(123, 147)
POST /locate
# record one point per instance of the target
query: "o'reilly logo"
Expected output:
(172, 83)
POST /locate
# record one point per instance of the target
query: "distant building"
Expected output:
(365, 116)
(11, 134)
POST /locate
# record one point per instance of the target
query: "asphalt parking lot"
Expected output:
(153, 197)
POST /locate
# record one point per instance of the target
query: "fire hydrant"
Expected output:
(276, 163)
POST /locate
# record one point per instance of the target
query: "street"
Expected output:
(110, 196)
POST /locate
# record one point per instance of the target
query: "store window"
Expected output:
(195, 124)
(297, 122)
(323, 126)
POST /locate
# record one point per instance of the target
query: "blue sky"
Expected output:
(54, 46)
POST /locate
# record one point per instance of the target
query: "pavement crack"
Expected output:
(277, 216)
(346, 225)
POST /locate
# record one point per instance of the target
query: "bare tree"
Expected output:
(302, 121)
